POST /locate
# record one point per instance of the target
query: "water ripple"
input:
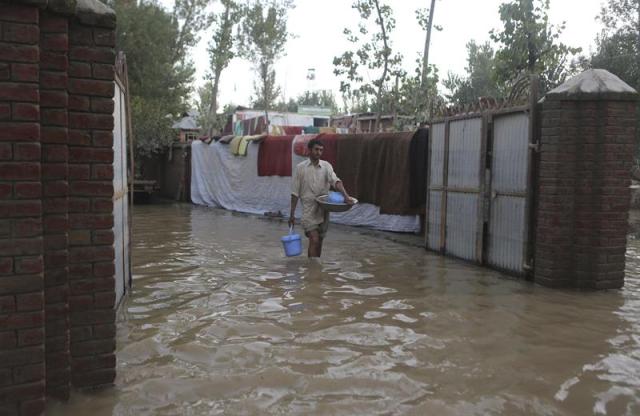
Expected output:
(220, 322)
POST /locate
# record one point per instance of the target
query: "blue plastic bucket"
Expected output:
(292, 244)
(336, 198)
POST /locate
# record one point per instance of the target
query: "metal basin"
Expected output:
(332, 207)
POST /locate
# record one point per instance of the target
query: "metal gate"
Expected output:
(120, 197)
(478, 188)
(508, 231)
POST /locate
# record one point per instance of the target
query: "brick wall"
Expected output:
(91, 252)
(57, 323)
(54, 41)
(587, 148)
(22, 364)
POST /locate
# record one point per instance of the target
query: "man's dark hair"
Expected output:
(314, 142)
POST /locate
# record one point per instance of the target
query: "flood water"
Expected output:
(219, 322)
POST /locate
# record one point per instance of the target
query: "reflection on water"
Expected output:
(219, 322)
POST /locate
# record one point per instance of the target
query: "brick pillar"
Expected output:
(22, 365)
(587, 149)
(53, 108)
(91, 252)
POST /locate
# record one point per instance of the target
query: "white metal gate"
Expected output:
(508, 231)
(456, 187)
(120, 197)
(478, 188)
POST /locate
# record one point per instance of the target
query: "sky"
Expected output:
(317, 27)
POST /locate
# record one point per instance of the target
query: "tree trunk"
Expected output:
(386, 64)
(266, 90)
(637, 152)
(213, 107)
(425, 58)
(638, 46)
(427, 46)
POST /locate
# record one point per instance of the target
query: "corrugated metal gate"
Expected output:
(478, 185)
(120, 197)
(508, 231)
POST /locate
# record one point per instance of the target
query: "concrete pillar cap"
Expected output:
(88, 12)
(593, 85)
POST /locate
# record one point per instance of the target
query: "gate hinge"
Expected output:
(535, 146)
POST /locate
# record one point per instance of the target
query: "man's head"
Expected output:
(315, 149)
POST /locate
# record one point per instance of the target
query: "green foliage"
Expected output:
(286, 106)
(151, 126)
(618, 54)
(529, 45)
(372, 54)
(417, 96)
(156, 43)
(192, 17)
(621, 15)
(266, 91)
(480, 78)
(323, 98)
(222, 49)
(422, 15)
(618, 46)
(263, 35)
(207, 121)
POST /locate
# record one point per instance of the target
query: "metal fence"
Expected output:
(479, 188)
(121, 214)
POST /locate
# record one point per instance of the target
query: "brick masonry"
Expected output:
(54, 38)
(583, 195)
(22, 329)
(92, 292)
(57, 319)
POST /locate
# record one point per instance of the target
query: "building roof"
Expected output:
(189, 121)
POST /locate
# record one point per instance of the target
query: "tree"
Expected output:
(529, 45)
(263, 36)
(373, 54)
(410, 97)
(480, 78)
(265, 91)
(159, 73)
(221, 52)
(323, 98)
(191, 17)
(157, 43)
(618, 46)
(425, 18)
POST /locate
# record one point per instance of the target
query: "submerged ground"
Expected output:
(219, 322)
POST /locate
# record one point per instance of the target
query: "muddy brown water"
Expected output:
(219, 322)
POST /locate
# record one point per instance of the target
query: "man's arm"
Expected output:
(292, 214)
(295, 194)
(347, 198)
(337, 183)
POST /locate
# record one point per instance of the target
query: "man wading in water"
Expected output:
(311, 179)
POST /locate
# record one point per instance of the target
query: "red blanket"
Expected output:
(295, 130)
(274, 156)
(300, 146)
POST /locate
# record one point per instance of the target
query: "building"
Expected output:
(188, 126)
(366, 123)
(246, 121)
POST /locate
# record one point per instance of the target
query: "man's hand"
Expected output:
(348, 200)
(292, 221)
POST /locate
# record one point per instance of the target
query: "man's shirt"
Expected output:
(309, 182)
